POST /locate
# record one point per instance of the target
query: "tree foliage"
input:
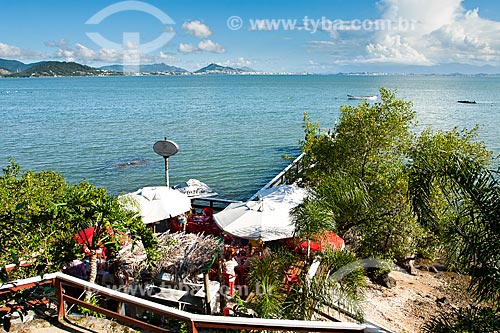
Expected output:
(29, 229)
(361, 174)
(40, 214)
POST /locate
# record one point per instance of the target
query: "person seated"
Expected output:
(182, 220)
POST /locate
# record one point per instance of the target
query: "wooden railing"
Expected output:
(194, 321)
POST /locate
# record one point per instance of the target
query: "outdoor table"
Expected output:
(169, 295)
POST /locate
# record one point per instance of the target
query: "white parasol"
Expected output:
(157, 203)
(266, 219)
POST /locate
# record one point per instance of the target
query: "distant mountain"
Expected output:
(58, 68)
(153, 68)
(14, 65)
(247, 69)
(218, 69)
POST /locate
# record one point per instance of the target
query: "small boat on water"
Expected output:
(193, 188)
(466, 102)
(367, 98)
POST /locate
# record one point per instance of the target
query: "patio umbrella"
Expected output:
(193, 188)
(267, 218)
(86, 235)
(157, 203)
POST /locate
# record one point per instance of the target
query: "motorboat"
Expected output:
(367, 98)
(193, 188)
(466, 102)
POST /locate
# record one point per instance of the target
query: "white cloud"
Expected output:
(322, 43)
(392, 49)
(61, 43)
(417, 32)
(164, 56)
(444, 32)
(187, 48)
(81, 53)
(9, 51)
(209, 46)
(197, 29)
(204, 45)
(14, 52)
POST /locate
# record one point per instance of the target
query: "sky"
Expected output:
(331, 36)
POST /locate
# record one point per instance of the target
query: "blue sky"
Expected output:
(290, 36)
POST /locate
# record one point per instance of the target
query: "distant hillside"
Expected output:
(247, 69)
(218, 69)
(58, 68)
(153, 68)
(4, 71)
(14, 65)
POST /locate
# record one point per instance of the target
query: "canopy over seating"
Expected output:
(157, 203)
(266, 219)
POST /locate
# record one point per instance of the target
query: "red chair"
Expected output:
(208, 211)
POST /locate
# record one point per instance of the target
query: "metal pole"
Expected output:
(208, 297)
(166, 172)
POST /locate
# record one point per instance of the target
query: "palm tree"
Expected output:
(332, 205)
(473, 195)
(99, 221)
(266, 277)
(328, 289)
(311, 218)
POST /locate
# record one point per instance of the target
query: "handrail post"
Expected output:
(60, 299)
(192, 327)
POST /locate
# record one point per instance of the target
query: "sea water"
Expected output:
(232, 131)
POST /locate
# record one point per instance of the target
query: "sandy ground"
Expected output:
(415, 299)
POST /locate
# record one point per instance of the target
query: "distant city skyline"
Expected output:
(425, 36)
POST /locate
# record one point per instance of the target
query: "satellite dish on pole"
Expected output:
(166, 148)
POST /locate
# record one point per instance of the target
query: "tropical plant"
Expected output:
(40, 214)
(340, 285)
(101, 222)
(472, 319)
(360, 175)
(266, 277)
(473, 197)
(311, 218)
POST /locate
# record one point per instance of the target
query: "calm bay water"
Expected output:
(231, 130)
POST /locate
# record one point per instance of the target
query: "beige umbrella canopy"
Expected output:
(267, 218)
(157, 203)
